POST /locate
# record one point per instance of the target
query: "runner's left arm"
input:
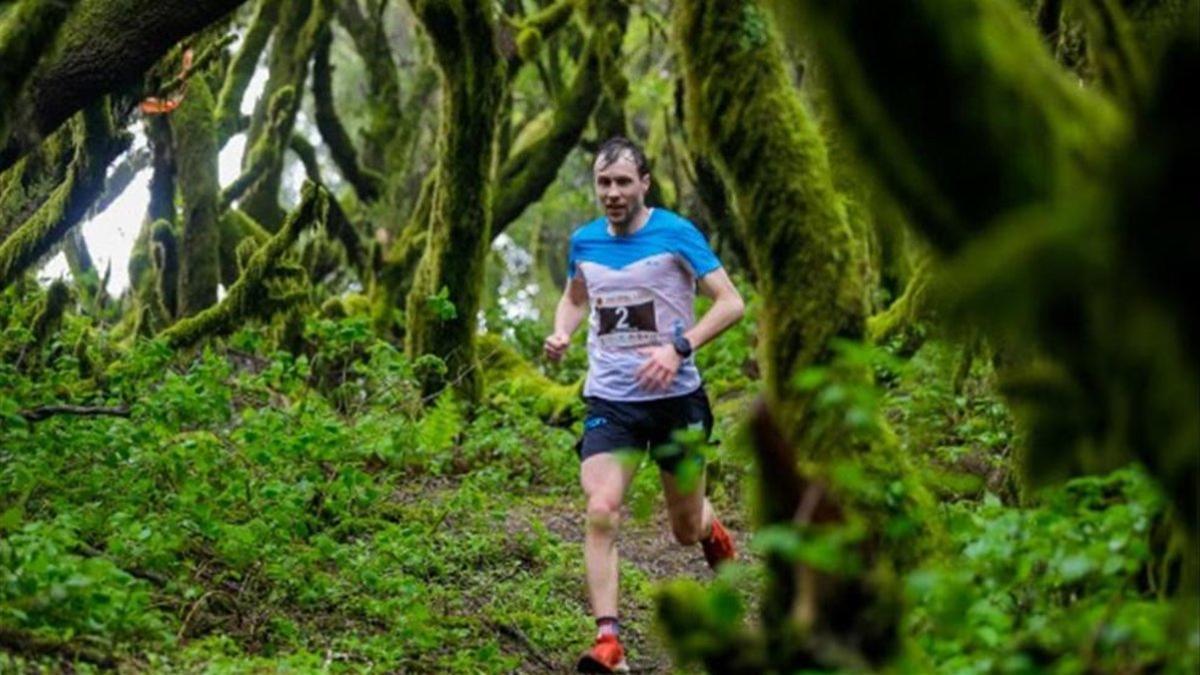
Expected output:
(726, 309)
(658, 371)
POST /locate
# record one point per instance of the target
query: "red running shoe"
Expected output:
(719, 546)
(606, 656)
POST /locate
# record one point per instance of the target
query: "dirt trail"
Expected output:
(647, 545)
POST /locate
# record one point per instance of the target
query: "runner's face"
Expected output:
(621, 191)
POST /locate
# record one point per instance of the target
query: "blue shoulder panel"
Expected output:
(665, 232)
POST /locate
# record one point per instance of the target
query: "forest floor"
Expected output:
(315, 513)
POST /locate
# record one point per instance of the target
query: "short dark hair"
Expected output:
(612, 150)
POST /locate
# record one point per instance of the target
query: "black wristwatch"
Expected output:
(682, 346)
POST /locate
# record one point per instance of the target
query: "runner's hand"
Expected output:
(657, 372)
(556, 345)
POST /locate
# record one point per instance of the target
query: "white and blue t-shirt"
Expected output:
(641, 288)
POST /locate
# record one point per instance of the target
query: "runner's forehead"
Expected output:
(624, 163)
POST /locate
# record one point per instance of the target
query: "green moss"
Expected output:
(253, 294)
(509, 377)
(25, 33)
(28, 184)
(237, 228)
(165, 250)
(743, 113)
(49, 318)
(196, 161)
(903, 320)
(96, 147)
(986, 83)
(460, 214)
(241, 68)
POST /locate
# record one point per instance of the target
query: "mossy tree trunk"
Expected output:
(460, 214)
(195, 132)
(241, 68)
(1045, 219)
(744, 114)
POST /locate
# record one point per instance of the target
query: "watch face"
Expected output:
(683, 347)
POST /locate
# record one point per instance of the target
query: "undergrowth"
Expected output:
(264, 510)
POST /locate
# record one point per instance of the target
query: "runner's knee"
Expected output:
(603, 513)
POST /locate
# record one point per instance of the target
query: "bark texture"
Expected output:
(96, 146)
(461, 210)
(103, 46)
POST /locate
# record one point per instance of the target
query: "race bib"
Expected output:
(625, 319)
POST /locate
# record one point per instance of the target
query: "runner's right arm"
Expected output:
(572, 307)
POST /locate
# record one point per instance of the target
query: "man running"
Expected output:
(638, 269)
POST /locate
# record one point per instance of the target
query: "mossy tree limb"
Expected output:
(237, 227)
(536, 27)
(241, 68)
(383, 80)
(24, 35)
(274, 118)
(366, 183)
(97, 145)
(100, 50)
(164, 247)
(525, 176)
(247, 297)
(461, 212)
(307, 155)
(31, 181)
(743, 113)
(267, 150)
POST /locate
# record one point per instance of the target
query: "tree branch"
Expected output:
(526, 175)
(341, 148)
(24, 37)
(241, 69)
(119, 179)
(248, 296)
(104, 46)
(383, 82)
(48, 411)
(97, 146)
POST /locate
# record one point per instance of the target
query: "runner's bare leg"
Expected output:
(604, 477)
(688, 510)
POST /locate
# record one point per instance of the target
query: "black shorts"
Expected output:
(642, 425)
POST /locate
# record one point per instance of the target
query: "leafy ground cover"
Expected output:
(260, 511)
